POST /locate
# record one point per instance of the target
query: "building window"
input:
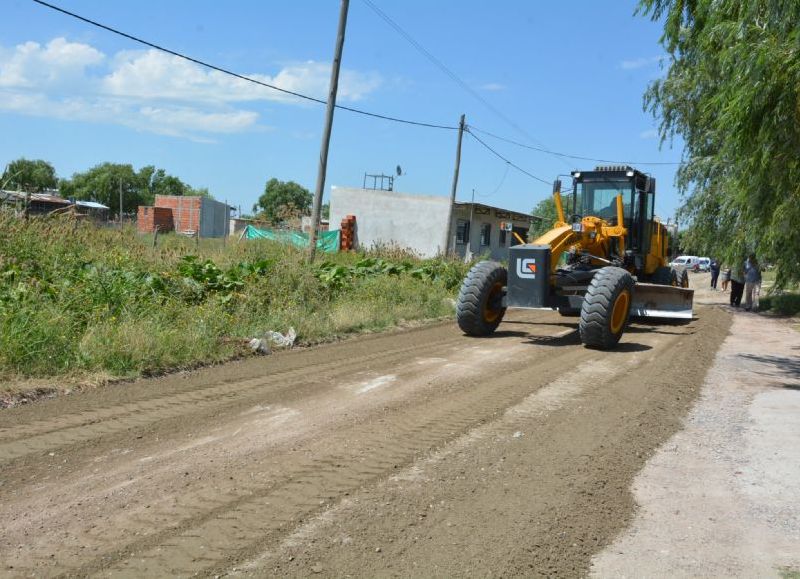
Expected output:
(502, 238)
(462, 231)
(486, 234)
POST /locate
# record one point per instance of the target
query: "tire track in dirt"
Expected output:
(359, 465)
(46, 435)
(233, 530)
(458, 385)
(533, 503)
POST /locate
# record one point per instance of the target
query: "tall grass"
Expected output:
(77, 299)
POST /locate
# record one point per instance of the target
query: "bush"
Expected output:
(786, 304)
(75, 298)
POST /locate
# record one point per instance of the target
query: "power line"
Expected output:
(568, 156)
(441, 66)
(235, 74)
(499, 156)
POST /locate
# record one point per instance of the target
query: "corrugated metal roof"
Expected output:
(91, 204)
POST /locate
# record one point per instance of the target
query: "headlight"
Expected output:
(577, 227)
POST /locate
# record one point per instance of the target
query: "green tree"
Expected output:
(546, 209)
(102, 183)
(731, 92)
(325, 211)
(283, 200)
(33, 175)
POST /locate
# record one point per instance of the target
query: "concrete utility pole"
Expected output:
(449, 228)
(326, 133)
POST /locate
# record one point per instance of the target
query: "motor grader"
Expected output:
(604, 262)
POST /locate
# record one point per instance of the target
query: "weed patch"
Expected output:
(80, 300)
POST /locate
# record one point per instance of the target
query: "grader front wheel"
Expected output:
(606, 307)
(479, 309)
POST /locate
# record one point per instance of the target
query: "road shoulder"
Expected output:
(722, 497)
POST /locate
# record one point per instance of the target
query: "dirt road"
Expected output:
(417, 453)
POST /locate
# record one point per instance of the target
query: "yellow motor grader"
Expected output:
(604, 262)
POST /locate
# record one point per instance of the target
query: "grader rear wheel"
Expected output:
(683, 278)
(606, 307)
(479, 308)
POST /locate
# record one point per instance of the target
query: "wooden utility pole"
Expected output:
(449, 227)
(326, 133)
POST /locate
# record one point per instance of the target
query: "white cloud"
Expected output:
(649, 134)
(493, 87)
(642, 62)
(152, 91)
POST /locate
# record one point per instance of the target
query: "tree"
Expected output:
(283, 200)
(102, 183)
(731, 92)
(546, 209)
(29, 175)
(325, 211)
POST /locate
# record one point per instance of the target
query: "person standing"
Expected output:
(737, 285)
(726, 278)
(714, 267)
(752, 281)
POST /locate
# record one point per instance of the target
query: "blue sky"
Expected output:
(569, 74)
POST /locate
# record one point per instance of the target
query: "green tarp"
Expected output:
(328, 240)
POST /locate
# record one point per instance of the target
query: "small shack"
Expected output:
(191, 215)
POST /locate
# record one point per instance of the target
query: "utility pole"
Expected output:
(449, 228)
(120, 202)
(326, 133)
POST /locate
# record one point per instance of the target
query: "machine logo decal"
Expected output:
(526, 268)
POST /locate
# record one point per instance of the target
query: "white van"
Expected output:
(704, 264)
(685, 262)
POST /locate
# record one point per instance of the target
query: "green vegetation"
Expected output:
(731, 92)
(29, 175)
(546, 209)
(103, 183)
(78, 300)
(784, 304)
(283, 200)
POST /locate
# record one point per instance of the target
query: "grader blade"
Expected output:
(661, 301)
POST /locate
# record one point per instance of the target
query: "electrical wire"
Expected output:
(510, 163)
(453, 76)
(235, 74)
(568, 156)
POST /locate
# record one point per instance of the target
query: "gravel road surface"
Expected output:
(415, 453)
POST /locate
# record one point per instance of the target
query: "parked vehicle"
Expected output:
(685, 262)
(703, 264)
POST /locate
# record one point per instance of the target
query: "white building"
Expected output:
(419, 222)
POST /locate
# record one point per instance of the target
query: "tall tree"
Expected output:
(731, 92)
(33, 175)
(283, 200)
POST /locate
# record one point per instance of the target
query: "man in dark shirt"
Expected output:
(714, 267)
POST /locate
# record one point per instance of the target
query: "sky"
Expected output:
(567, 76)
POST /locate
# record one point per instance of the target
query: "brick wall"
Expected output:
(150, 217)
(185, 211)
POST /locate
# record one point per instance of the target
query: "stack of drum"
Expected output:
(348, 231)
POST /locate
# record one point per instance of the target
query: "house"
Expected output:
(39, 203)
(191, 215)
(419, 222)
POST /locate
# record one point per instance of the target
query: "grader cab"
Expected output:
(604, 261)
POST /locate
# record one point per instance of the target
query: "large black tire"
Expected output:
(665, 276)
(479, 307)
(606, 307)
(682, 278)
